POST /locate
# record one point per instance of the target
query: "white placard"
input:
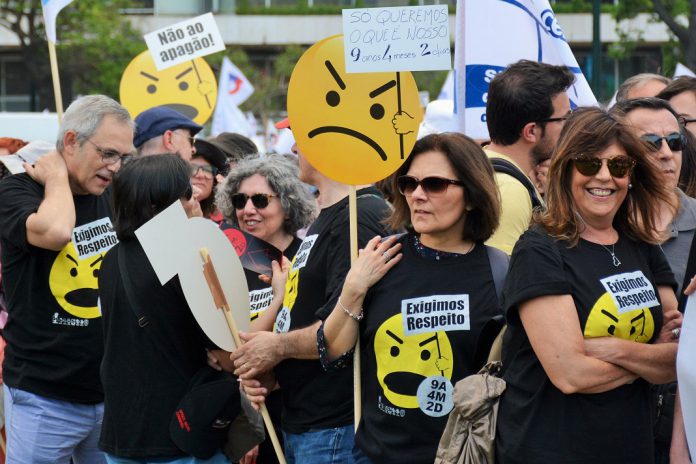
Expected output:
(184, 41)
(406, 38)
(686, 371)
(630, 291)
(172, 243)
(435, 313)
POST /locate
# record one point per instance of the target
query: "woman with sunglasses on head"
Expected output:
(590, 306)
(419, 300)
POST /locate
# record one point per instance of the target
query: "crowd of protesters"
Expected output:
(573, 225)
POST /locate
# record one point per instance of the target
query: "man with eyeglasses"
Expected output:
(525, 111)
(164, 130)
(681, 94)
(55, 227)
(655, 121)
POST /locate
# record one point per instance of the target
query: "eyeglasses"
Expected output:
(208, 171)
(259, 200)
(109, 156)
(685, 120)
(558, 119)
(430, 185)
(675, 141)
(192, 140)
(619, 166)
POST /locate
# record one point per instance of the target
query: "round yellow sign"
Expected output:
(355, 128)
(189, 88)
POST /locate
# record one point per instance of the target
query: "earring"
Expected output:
(630, 186)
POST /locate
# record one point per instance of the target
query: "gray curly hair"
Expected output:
(281, 174)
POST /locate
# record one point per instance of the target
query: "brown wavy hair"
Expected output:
(472, 168)
(589, 131)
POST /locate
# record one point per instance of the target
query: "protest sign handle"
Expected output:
(353, 222)
(398, 102)
(221, 303)
(56, 79)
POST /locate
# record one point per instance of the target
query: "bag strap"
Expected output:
(495, 328)
(499, 262)
(506, 167)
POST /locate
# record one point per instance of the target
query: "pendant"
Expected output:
(615, 260)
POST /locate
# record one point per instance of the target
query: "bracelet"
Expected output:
(347, 311)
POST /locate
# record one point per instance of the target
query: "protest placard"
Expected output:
(409, 38)
(184, 41)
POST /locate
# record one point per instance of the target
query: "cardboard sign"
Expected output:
(254, 253)
(189, 88)
(408, 38)
(354, 128)
(184, 41)
(172, 243)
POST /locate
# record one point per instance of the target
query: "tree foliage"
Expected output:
(680, 18)
(95, 43)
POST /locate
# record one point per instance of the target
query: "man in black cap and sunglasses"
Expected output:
(656, 123)
(525, 112)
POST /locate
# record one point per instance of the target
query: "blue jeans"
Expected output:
(41, 430)
(320, 446)
(217, 459)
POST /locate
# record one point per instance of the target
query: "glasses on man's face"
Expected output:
(259, 200)
(431, 185)
(619, 166)
(675, 141)
(558, 119)
(192, 140)
(684, 120)
(208, 171)
(110, 156)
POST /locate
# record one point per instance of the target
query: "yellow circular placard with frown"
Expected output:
(351, 127)
(189, 88)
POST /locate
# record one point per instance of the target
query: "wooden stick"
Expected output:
(221, 303)
(357, 386)
(2, 442)
(56, 80)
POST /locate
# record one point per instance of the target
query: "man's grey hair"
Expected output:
(281, 174)
(85, 114)
(637, 81)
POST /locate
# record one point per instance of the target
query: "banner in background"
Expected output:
(492, 34)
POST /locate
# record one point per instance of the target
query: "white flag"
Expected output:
(51, 8)
(682, 70)
(492, 34)
(233, 90)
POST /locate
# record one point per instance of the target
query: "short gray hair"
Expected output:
(281, 174)
(85, 114)
(637, 81)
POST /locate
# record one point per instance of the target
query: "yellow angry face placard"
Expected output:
(189, 88)
(355, 128)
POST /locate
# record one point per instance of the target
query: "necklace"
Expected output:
(614, 259)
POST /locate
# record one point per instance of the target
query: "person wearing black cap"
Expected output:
(164, 130)
(209, 165)
(235, 146)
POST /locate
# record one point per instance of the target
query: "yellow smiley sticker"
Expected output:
(405, 363)
(74, 282)
(355, 128)
(189, 88)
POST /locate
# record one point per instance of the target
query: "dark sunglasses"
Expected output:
(558, 119)
(259, 200)
(675, 141)
(430, 185)
(210, 170)
(619, 166)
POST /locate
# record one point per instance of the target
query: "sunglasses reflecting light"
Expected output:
(619, 166)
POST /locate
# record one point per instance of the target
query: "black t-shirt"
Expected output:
(418, 338)
(146, 370)
(313, 398)
(261, 294)
(54, 333)
(536, 421)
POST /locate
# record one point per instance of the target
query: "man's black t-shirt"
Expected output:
(418, 338)
(54, 333)
(536, 421)
(313, 398)
(146, 370)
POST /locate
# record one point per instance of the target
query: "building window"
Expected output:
(15, 93)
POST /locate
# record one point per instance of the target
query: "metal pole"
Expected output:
(596, 48)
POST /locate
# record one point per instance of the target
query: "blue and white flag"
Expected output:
(233, 90)
(51, 8)
(492, 34)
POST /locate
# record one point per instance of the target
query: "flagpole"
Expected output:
(56, 79)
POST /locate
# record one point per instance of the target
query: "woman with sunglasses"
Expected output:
(208, 164)
(419, 300)
(590, 306)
